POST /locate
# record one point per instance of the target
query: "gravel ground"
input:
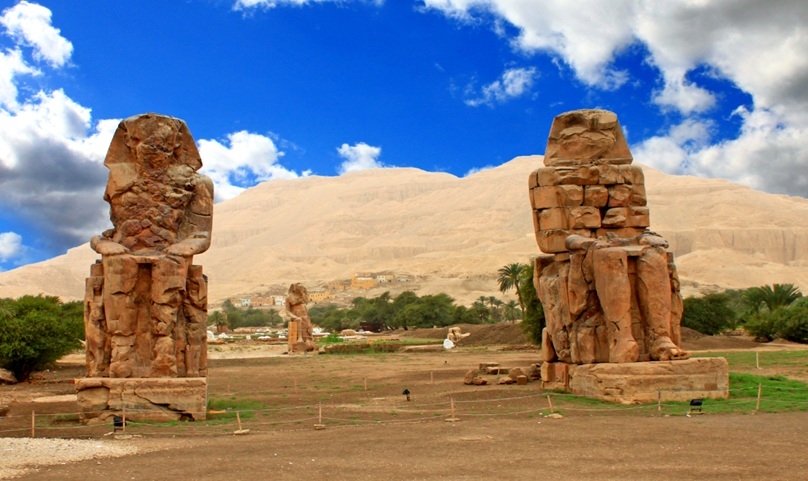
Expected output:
(19, 455)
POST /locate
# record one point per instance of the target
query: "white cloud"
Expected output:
(30, 25)
(10, 245)
(248, 158)
(584, 34)
(12, 65)
(757, 46)
(513, 83)
(359, 156)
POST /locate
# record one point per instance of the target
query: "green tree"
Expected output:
(512, 311)
(533, 321)
(397, 317)
(509, 278)
(35, 331)
(709, 314)
(217, 318)
(770, 297)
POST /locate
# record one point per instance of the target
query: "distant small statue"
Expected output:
(455, 334)
(146, 303)
(609, 288)
(301, 333)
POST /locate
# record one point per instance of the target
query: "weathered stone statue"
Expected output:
(456, 334)
(301, 337)
(609, 288)
(146, 303)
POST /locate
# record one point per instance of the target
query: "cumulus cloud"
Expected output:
(52, 176)
(513, 83)
(10, 245)
(757, 46)
(30, 25)
(359, 156)
(246, 159)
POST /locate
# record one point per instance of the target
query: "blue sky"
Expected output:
(289, 88)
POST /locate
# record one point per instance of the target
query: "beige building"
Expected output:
(363, 280)
(320, 295)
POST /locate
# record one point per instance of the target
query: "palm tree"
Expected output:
(771, 297)
(509, 277)
(511, 311)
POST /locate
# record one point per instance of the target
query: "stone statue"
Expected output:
(456, 334)
(146, 303)
(609, 288)
(301, 337)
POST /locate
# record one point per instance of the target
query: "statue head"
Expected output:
(586, 137)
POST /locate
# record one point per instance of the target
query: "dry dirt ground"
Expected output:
(372, 432)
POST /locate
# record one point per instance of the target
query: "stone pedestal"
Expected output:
(641, 382)
(143, 399)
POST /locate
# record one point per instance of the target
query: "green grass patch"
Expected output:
(245, 406)
(743, 360)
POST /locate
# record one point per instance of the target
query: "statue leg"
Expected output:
(97, 342)
(120, 311)
(167, 293)
(654, 296)
(614, 293)
(195, 307)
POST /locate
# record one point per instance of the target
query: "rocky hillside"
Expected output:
(451, 234)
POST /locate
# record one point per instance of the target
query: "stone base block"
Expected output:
(642, 382)
(143, 399)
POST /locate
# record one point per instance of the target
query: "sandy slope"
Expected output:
(451, 234)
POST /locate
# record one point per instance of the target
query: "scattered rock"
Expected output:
(6, 377)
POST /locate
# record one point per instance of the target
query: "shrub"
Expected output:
(35, 332)
(709, 315)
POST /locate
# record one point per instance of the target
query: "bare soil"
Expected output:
(372, 432)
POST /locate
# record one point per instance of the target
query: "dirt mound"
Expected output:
(481, 334)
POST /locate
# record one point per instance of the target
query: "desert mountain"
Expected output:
(451, 234)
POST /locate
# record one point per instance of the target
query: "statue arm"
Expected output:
(199, 216)
(106, 247)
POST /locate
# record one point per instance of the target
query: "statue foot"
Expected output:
(665, 350)
(624, 350)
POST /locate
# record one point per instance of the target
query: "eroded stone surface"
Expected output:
(301, 337)
(143, 399)
(609, 289)
(642, 382)
(145, 307)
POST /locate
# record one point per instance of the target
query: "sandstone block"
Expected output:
(610, 174)
(620, 195)
(546, 176)
(557, 196)
(620, 232)
(552, 241)
(533, 180)
(632, 174)
(582, 175)
(521, 380)
(616, 217)
(144, 399)
(596, 195)
(555, 376)
(638, 196)
(554, 219)
(584, 218)
(642, 382)
(584, 136)
(515, 373)
(638, 217)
